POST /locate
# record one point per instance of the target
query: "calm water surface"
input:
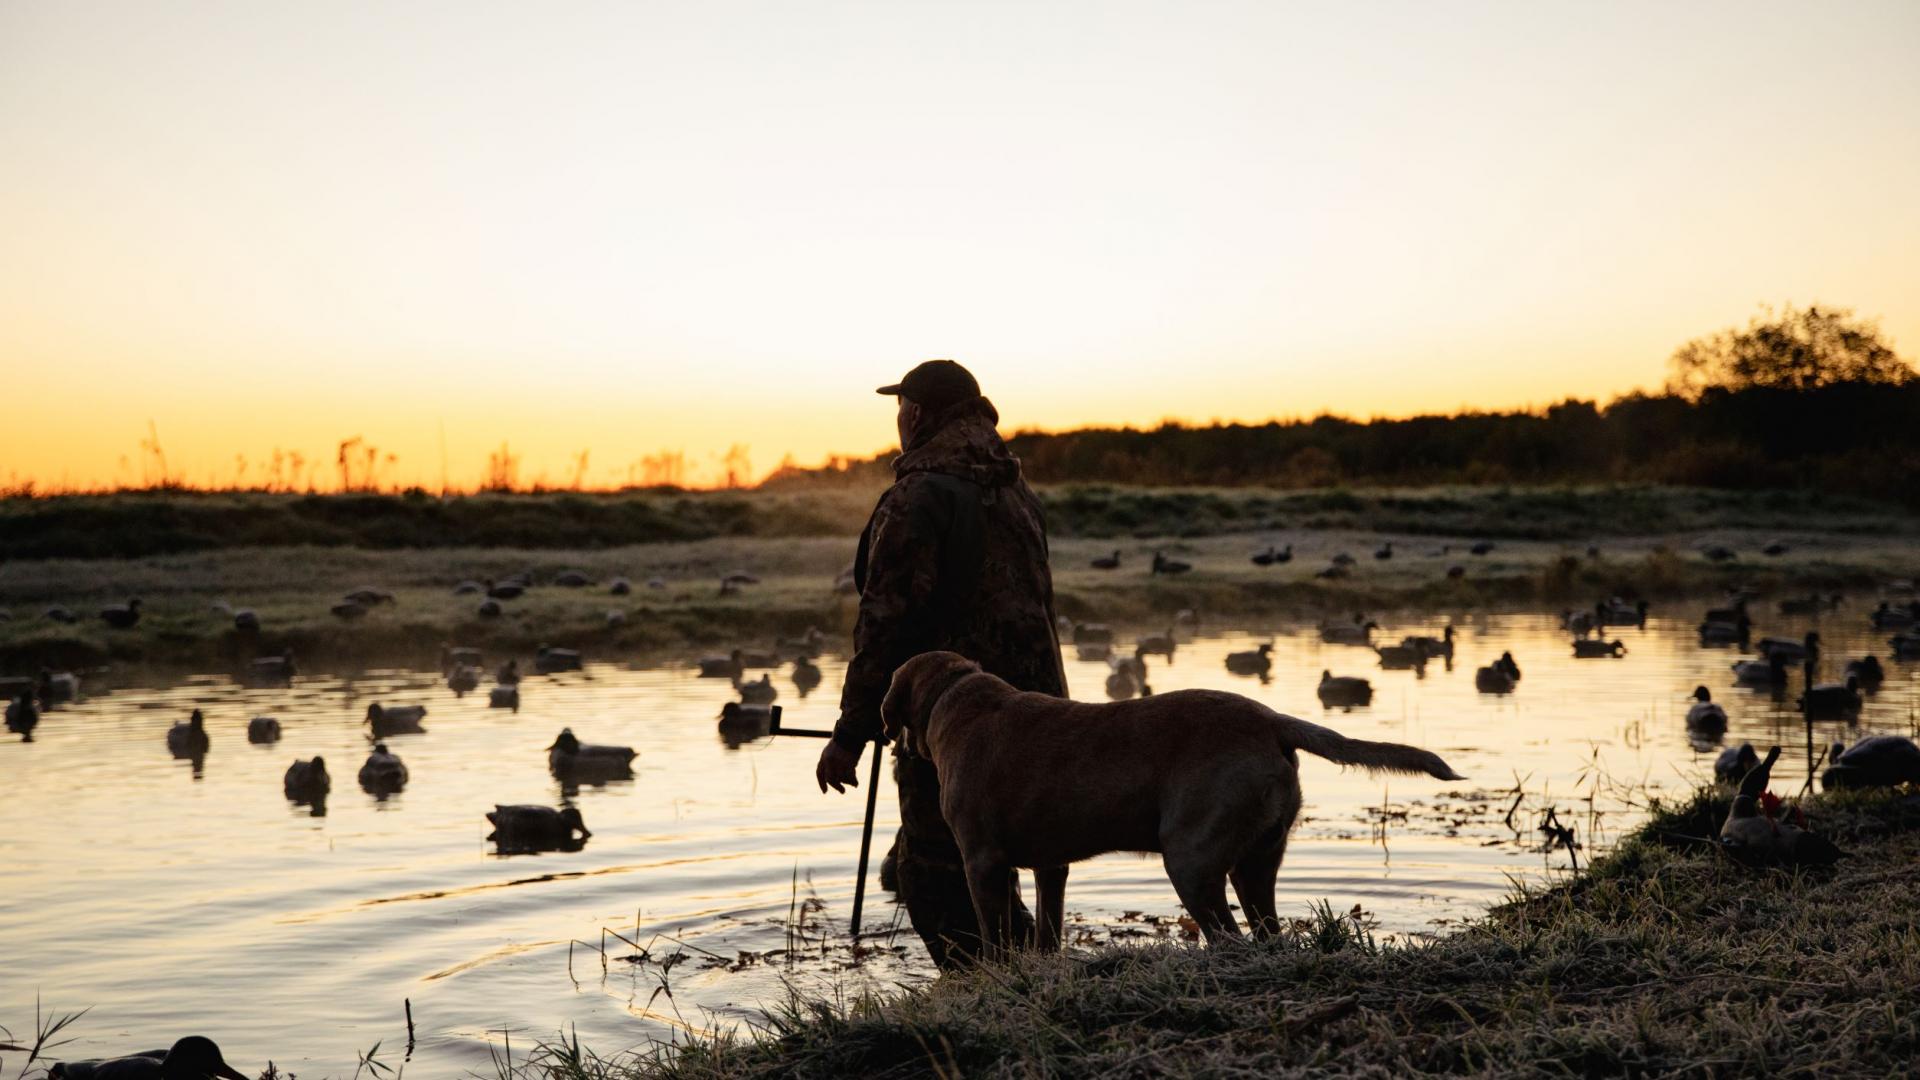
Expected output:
(174, 902)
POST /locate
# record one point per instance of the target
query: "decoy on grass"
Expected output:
(1875, 761)
(247, 621)
(489, 609)
(61, 615)
(1758, 833)
(348, 610)
(1164, 565)
(572, 579)
(1482, 547)
(619, 587)
(1107, 562)
(1734, 763)
(367, 596)
(1273, 556)
(123, 616)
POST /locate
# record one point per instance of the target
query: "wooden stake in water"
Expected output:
(866, 828)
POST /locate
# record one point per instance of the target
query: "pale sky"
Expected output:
(629, 227)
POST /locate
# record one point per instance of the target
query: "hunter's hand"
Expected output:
(837, 767)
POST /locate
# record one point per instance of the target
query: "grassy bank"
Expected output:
(1663, 959)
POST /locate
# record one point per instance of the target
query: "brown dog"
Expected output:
(1206, 778)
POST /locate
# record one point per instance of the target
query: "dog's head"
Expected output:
(917, 685)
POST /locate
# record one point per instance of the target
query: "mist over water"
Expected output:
(174, 902)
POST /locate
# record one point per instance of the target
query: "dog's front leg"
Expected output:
(990, 880)
(1050, 882)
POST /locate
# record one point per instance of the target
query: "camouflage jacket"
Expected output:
(954, 557)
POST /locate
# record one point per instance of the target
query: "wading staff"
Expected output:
(866, 828)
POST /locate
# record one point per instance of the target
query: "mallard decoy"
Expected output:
(1888, 617)
(1734, 763)
(22, 716)
(1107, 562)
(383, 773)
(569, 758)
(509, 674)
(263, 729)
(548, 660)
(1342, 558)
(1775, 549)
(1493, 679)
(1585, 649)
(462, 679)
(536, 828)
(1617, 612)
(741, 724)
(1128, 677)
(1704, 714)
(572, 579)
(188, 738)
(721, 667)
(1719, 553)
(1760, 673)
(1748, 833)
(1435, 647)
(1481, 548)
(1274, 556)
(1357, 632)
(806, 675)
(758, 691)
(1456, 572)
(469, 587)
(1335, 572)
(1345, 691)
(1867, 672)
(1905, 646)
(1400, 657)
(1833, 701)
(1726, 632)
(1875, 761)
(122, 617)
(1509, 665)
(396, 719)
(1788, 650)
(1579, 622)
(1257, 661)
(56, 687)
(504, 697)
(192, 1058)
(367, 596)
(1164, 565)
(1156, 645)
(307, 781)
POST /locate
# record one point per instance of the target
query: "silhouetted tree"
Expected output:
(1793, 350)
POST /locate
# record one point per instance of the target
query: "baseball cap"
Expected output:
(935, 385)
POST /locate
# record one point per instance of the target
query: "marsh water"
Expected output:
(172, 899)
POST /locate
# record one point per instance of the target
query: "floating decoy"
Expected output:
(368, 596)
(569, 758)
(758, 691)
(469, 587)
(263, 729)
(1164, 565)
(1401, 657)
(1482, 547)
(1831, 701)
(192, 1058)
(1384, 551)
(396, 719)
(1733, 631)
(504, 696)
(247, 621)
(307, 781)
(1867, 672)
(1617, 612)
(122, 617)
(509, 674)
(188, 738)
(1580, 622)
(805, 647)
(537, 828)
(619, 587)
(1704, 714)
(1345, 691)
(1509, 665)
(741, 724)
(272, 669)
(1734, 763)
(721, 667)
(1358, 632)
(1775, 549)
(57, 687)
(1256, 661)
(453, 656)
(1905, 646)
(1100, 651)
(1585, 649)
(1492, 680)
(549, 660)
(1127, 679)
(1788, 650)
(23, 716)
(1760, 673)
(61, 615)
(1435, 647)
(1875, 761)
(1107, 562)
(383, 773)
(572, 579)
(806, 674)
(1156, 645)
(462, 679)
(489, 609)
(1888, 617)
(1092, 634)
(348, 610)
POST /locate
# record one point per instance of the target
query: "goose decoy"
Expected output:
(1788, 650)
(1156, 645)
(1256, 661)
(572, 579)
(122, 617)
(1384, 551)
(806, 674)
(1164, 565)
(758, 691)
(1092, 634)
(56, 687)
(453, 656)
(1128, 677)
(537, 828)
(383, 773)
(548, 660)
(1867, 672)
(61, 615)
(396, 719)
(505, 590)
(247, 621)
(23, 716)
(489, 609)
(741, 724)
(1401, 657)
(721, 667)
(263, 729)
(504, 696)
(188, 738)
(1734, 763)
(1875, 761)
(1775, 549)
(1831, 701)
(307, 781)
(469, 587)
(509, 674)
(619, 587)
(569, 758)
(1435, 647)
(462, 679)
(1357, 632)
(1704, 714)
(348, 610)
(272, 669)
(1492, 680)
(1508, 664)
(1345, 691)
(1585, 649)
(1101, 651)
(368, 596)
(192, 1058)
(1107, 562)
(1482, 547)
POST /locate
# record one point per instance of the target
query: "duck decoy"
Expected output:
(1831, 701)
(1092, 634)
(741, 724)
(1775, 549)
(1128, 677)
(1274, 556)
(658, 583)
(572, 579)
(1401, 657)
(1905, 646)
(188, 738)
(1384, 551)
(721, 667)
(192, 1058)
(1492, 679)
(1257, 661)
(1482, 547)
(56, 687)
(1810, 604)
(1586, 649)
(1867, 672)
(347, 610)
(1725, 632)
(807, 646)
(1755, 833)
(1435, 647)
(571, 759)
(549, 660)
(760, 691)
(1107, 562)
(263, 729)
(23, 716)
(272, 669)
(1101, 651)
(383, 773)
(122, 617)
(1156, 645)
(61, 615)
(505, 590)
(1186, 618)
(396, 719)
(246, 621)
(504, 696)
(1357, 632)
(453, 656)
(489, 609)
(1734, 763)
(1760, 673)
(1345, 691)
(469, 587)
(1888, 617)
(1719, 553)
(509, 674)
(1788, 650)
(1509, 665)
(1875, 761)
(806, 675)
(1164, 565)
(527, 829)
(367, 596)
(1333, 573)
(307, 781)
(742, 577)
(1617, 612)
(1342, 559)
(1456, 572)
(462, 679)
(619, 587)
(1704, 714)
(1581, 623)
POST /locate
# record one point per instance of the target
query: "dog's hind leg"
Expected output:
(1050, 883)
(1253, 877)
(1203, 889)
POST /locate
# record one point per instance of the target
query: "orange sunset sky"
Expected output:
(633, 227)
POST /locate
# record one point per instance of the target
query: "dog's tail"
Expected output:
(1330, 744)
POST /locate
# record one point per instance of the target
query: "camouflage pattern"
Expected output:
(954, 557)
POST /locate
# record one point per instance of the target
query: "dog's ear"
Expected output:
(917, 684)
(896, 709)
